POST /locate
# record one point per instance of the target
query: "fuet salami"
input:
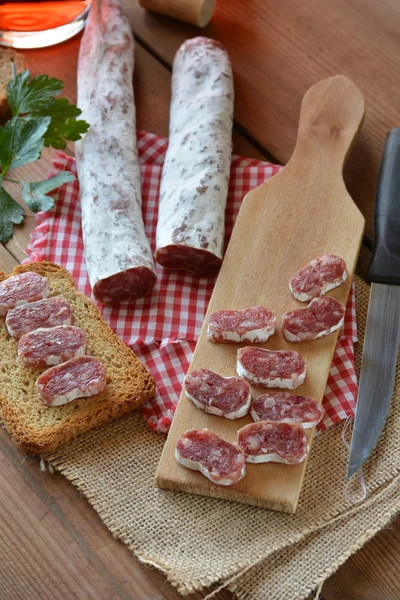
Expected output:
(21, 289)
(51, 346)
(318, 277)
(227, 397)
(321, 317)
(203, 450)
(49, 312)
(79, 377)
(118, 255)
(270, 441)
(287, 408)
(194, 184)
(255, 324)
(271, 368)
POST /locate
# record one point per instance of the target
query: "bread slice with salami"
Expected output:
(36, 428)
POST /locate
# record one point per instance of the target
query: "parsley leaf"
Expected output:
(64, 125)
(25, 95)
(39, 119)
(21, 142)
(34, 192)
(10, 212)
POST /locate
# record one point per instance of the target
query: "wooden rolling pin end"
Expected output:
(196, 12)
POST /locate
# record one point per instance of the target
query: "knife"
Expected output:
(382, 334)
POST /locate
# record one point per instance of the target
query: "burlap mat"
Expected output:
(199, 541)
(293, 573)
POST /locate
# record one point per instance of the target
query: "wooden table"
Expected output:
(52, 543)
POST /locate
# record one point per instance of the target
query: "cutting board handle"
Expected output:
(332, 112)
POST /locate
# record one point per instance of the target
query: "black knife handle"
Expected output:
(385, 263)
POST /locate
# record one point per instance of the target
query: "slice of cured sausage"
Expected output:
(271, 368)
(320, 318)
(203, 450)
(270, 441)
(287, 408)
(194, 184)
(118, 256)
(51, 346)
(79, 377)
(318, 277)
(227, 397)
(255, 324)
(21, 289)
(49, 312)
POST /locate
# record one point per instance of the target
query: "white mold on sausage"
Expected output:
(118, 255)
(194, 185)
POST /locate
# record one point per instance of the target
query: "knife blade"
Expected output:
(382, 334)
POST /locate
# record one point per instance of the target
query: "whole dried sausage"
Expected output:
(117, 252)
(194, 184)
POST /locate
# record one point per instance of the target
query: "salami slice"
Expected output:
(255, 324)
(203, 450)
(270, 441)
(194, 184)
(21, 289)
(51, 346)
(118, 256)
(49, 312)
(227, 397)
(287, 408)
(79, 377)
(271, 368)
(321, 317)
(318, 277)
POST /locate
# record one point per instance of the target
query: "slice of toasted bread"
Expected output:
(7, 55)
(36, 428)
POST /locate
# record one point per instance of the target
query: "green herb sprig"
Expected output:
(38, 119)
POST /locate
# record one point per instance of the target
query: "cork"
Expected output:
(196, 12)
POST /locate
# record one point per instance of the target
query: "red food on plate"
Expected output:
(20, 289)
(254, 325)
(218, 460)
(79, 377)
(320, 318)
(49, 312)
(271, 441)
(227, 397)
(318, 277)
(271, 368)
(287, 408)
(51, 346)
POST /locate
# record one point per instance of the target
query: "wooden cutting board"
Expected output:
(300, 214)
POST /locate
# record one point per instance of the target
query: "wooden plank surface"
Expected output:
(303, 212)
(60, 512)
(280, 48)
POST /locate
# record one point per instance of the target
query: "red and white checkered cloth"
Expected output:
(162, 329)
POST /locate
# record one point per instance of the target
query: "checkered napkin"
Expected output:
(163, 328)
